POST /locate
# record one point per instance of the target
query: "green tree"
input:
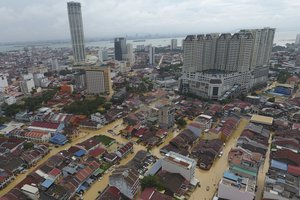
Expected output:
(271, 99)
(4, 120)
(181, 122)
(28, 145)
(151, 181)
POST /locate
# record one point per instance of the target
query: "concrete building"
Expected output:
(3, 82)
(173, 44)
(297, 39)
(126, 180)
(27, 86)
(236, 187)
(166, 116)
(222, 66)
(100, 55)
(98, 117)
(262, 46)
(9, 100)
(32, 192)
(76, 29)
(80, 81)
(98, 80)
(120, 48)
(54, 64)
(151, 55)
(129, 56)
(177, 163)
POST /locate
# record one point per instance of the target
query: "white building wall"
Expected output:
(119, 183)
(3, 82)
(168, 166)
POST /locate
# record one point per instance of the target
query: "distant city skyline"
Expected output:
(34, 20)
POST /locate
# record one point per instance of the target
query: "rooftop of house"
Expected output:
(129, 175)
(238, 155)
(153, 194)
(242, 183)
(181, 160)
(46, 125)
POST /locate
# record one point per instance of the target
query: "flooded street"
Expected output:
(212, 177)
(207, 178)
(262, 173)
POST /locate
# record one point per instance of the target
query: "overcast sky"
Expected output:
(31, 20)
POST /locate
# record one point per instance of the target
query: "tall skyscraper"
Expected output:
(173, 44)
(120, 48)
(297, 39)
(151, 55)
(76, 29)
(98, 80)
(129, 56)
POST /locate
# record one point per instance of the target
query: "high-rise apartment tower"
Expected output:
(76, 29)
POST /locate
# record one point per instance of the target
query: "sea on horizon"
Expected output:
(281, 38)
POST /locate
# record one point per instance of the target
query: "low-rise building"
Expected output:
(176, 163)
(126, 180)
(236, 187)
(99, 118)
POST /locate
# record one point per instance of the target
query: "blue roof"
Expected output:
(82, 187)
(231, 176)
(59, 139)
(279, 165)
(47, 183)
(80, 153)
(154, 169)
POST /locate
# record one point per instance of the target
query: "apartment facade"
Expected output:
(214, 63)
(98, 80)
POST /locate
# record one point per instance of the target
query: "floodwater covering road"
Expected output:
(212, 177)
(208, 178)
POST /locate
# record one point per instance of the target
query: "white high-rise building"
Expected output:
(173, 44)
(262, 45)
(54, 64)
(151, 55)
(297, 39)
(27, 86)
(224, 65)
(100, 56)
(129, 56)
(166, 116)
(76, 29)
(3, 82)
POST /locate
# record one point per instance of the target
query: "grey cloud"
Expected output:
(47, 19)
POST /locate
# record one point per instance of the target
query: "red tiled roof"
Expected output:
(55, 172)
(48, 125)
(96, 152)
(294, 170)
(84, 173)
(114, 191)
(35, 134)
(287, 154)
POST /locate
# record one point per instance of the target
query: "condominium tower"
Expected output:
(173, 44)
(216, 65)
(151, 55)
(76, 29)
